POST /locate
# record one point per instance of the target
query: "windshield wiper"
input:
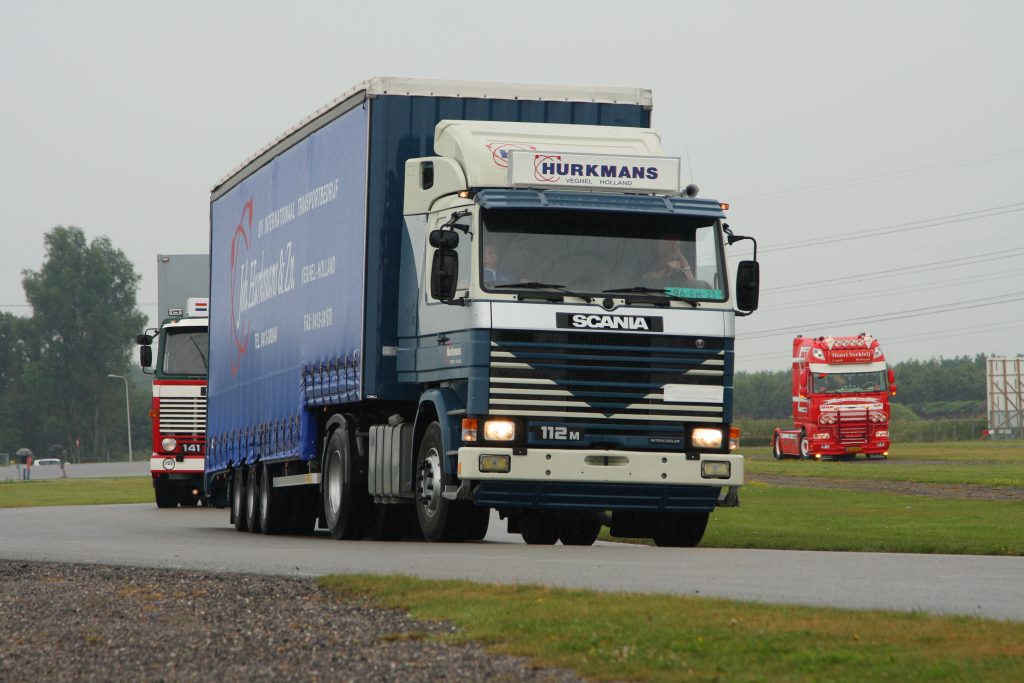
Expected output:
(542, 285)
(650, 290)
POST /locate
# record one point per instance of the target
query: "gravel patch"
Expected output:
(66, 622)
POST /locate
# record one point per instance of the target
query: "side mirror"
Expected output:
(145, 355)
(748, 285)
(444, 273)
(444, 239)
(143, 339)
(892, 382)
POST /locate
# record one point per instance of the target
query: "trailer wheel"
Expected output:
(166, 496)
(579, 527)
(680, 529)
(238, 516)
(346, 503)
(437, 515)
(538, 528)
(252, 498)
(777, 448)
(273, 510)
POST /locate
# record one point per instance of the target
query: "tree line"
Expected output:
(54, 364)
(941, 387)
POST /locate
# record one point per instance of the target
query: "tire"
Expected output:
(538, 528)
(252, 498)
(475, 520)
(274, 506)
(166, 496)
(186, 499)
(777, 448)
(346, 503)
(436, 514)
(302, 515)
(238, 499)
(391, 522)
(680, 529)
(579, 527)
(805, 447)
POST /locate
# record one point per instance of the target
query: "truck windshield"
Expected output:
(850, 382)
(596, 252)
(184, 352)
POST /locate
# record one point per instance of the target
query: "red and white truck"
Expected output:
(179, 380)
(841, 389)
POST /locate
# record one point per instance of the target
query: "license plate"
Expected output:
(191, 448)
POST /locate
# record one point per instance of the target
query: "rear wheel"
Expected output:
(680, 529)
(538, 528)
(346, 502)
(436, 514)
(238, 516)
(579, 527)
(166, 496)
(252, 498)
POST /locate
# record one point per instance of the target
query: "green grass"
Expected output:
(978, 463)
(18, 494)
(608, 636)
(827, 519)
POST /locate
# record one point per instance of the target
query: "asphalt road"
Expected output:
(143, 536)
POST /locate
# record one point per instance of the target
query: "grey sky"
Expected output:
(816, 121)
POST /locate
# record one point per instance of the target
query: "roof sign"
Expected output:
(198, 308)
(593, 172)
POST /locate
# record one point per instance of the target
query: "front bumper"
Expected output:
(600, 466)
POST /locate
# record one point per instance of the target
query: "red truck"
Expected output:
(841, 389)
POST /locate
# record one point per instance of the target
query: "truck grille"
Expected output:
(853, 427)
(610, 385)
(181, 415)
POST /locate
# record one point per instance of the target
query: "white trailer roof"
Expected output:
(389, 85)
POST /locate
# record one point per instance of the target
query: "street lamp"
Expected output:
(128, 411)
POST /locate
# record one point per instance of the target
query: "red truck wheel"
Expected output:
(777, 448)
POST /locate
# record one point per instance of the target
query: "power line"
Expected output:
(895, 315)
(880, 177)
(861, 295)
(905, 270)
(951, 219)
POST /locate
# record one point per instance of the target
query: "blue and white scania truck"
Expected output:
(432, 299)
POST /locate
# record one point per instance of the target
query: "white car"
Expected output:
(47, 461)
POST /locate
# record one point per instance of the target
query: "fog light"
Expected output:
(499, 430)
(495, 463)
(168, 444)
(706, 437)
(715, 469)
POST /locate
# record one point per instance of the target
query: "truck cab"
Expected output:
(178, 410)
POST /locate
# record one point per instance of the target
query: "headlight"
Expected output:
(876, 417)
(168, 444)
(499, 430)
(828, 418)
(706, 437)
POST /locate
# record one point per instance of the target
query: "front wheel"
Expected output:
(436, 514)
(777, 448)
(166, 496)
(579, 527)
(805, 446)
